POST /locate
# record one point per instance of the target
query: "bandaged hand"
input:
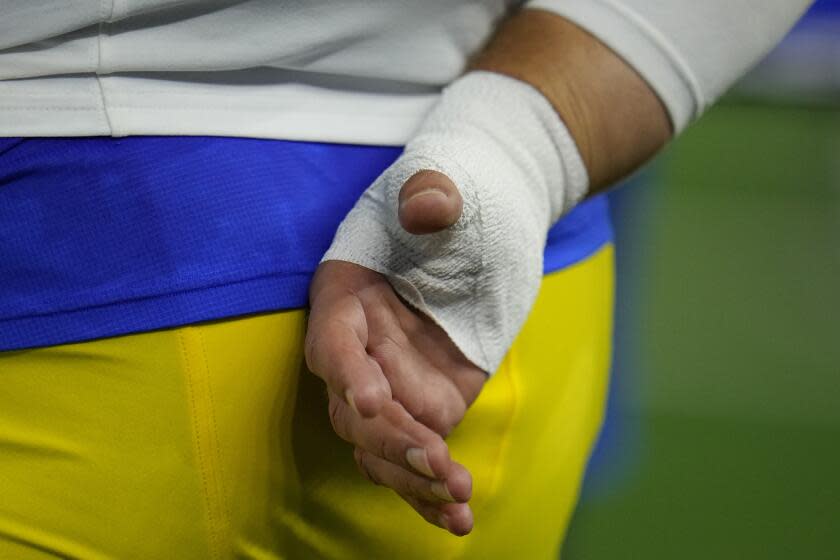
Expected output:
(456, 227)
(517, 170)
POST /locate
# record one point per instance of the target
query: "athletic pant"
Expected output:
(213, 441)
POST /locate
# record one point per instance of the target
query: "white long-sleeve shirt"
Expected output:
(358, 71)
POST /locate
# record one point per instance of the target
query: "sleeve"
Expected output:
(689, 51)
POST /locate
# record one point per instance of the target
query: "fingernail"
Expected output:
(440, 490)
(348, 396)
(424, 192)
(443, 519)
(419, 460)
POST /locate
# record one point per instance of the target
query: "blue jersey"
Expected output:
(106, 236)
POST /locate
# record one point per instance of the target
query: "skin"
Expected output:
(397, 385)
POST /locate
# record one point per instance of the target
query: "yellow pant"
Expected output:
(211, 441)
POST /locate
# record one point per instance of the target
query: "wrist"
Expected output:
(496, 132)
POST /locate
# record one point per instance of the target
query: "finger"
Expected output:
(336, 354)
(429, 202)
(429, 395)
(455, 518)
(393, 435)
(456, 487)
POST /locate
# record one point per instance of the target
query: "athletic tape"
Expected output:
(518, 170)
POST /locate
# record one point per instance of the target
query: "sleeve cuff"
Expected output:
(642, 46)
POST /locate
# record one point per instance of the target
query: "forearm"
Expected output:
(654, 67)
(616, 119)
(496, 137)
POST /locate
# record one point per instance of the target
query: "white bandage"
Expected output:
(518, 170)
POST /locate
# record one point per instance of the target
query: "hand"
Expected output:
(397, 384)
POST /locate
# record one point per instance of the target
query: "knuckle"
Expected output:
(427, 415)
(440, 425)
(421, 409)
(452, 413)
(440, 418)
(449, 419)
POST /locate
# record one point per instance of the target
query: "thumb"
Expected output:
(429, 202)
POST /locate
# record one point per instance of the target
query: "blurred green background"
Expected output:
(723, 433)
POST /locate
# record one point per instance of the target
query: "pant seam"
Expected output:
(220, 485)
(203, 465)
